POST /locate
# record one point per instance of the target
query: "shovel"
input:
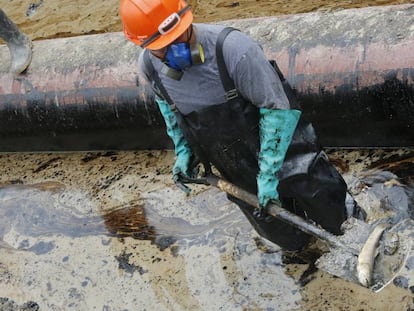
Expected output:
(370, 255)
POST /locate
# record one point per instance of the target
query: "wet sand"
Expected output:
(63, 266)
(206, 256)
(42, 19)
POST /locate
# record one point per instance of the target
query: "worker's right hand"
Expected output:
(266, 192)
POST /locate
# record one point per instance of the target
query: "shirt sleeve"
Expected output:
(144, 78)
(253, 76)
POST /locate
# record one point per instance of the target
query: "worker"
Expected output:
(225, 104)
(19, 44)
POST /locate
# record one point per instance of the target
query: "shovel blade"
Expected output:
(390, 265)
(342, 261)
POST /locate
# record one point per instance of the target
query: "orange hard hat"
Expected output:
(154, 24)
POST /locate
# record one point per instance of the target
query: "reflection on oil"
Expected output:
(36, 210)
(33, 210)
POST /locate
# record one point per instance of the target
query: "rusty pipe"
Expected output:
(352, 69)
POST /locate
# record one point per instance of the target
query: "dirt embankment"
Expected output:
(41, 19)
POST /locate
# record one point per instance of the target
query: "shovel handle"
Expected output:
(276, 211)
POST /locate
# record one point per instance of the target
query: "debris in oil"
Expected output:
(96, 155)
(401, 166)
(33, 8)
(7, 304)
(124, 264)
(129, 221)
(46, 164)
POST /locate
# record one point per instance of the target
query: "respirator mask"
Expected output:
(180, 56)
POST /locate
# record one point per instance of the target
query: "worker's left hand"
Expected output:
(186, 166)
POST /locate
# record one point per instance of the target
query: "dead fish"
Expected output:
(369, 252)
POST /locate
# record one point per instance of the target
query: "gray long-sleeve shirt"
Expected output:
(201, 86)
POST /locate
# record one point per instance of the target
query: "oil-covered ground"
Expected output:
(110, 231)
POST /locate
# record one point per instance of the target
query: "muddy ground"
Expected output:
(60, 255)
(42, 19)
(62, 280)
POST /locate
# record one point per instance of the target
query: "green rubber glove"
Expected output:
(184, 157)
(276, 132)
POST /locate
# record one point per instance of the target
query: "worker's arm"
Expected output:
(185, 164)
(276, 131)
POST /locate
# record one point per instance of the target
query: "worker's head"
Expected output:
(164, 27)
(155, 24)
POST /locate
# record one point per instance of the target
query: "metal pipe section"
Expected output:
(353, 71)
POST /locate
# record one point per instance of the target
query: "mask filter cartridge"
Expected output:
(180, 56)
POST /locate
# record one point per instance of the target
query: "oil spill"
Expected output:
(385, 187)
(44, 166)
(129, 221)
(385, 190)
(36, 211)
(124, 264)
(7, 304)
(110, 231)
(32, 9)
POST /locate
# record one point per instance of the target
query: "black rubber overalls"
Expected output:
(227, 136)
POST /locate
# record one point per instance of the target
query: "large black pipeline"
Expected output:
(353, 71)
